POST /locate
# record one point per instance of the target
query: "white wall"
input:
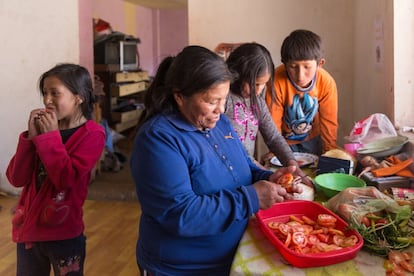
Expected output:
(403, 62)
(35, 36)
(373, 81)
(269, 21)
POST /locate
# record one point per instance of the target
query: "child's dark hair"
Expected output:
(248, 62)
(301, 45)
(194, 70)
(77, 79)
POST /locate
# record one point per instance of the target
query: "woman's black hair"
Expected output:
(195, 69)
(248, 62)
(77, 79)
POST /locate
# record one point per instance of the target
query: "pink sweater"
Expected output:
(55, 211)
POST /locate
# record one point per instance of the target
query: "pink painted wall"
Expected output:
(145, 32)
(173, 31)
(112, 11)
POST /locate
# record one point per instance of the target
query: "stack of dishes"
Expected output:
(383, 147)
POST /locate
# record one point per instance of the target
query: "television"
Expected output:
(120, 53)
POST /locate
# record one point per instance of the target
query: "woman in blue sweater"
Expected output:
(196, 185)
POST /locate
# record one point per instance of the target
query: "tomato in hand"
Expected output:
(286, 181)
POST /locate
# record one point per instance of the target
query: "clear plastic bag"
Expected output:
(373, 127)
(380, 220)
(354, 203)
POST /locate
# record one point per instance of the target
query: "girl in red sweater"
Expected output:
(53, 164)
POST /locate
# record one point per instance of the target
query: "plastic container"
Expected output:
(384, 147)
(332, 183)
(280, 212)
(352, 148)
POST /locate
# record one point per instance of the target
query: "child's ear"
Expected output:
(321, 62)
(79, 99)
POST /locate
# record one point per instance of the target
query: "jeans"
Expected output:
(313, 146)
(66, 257)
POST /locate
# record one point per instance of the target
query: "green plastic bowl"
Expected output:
(332, 183)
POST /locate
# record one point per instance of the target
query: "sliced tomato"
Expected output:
(284, 229)
(396, 256)
(388, 266)
(323, 237)
(407, 266)
(307, 229)
(273, 225)
(293, 223)
(301, 250)
(299, 239)
(308, 220)
(324, 247)
(350, 241)
(338, 239)
(317, 231)
(295, 218)
(326, 220)
(398, 270)
(407, 256)
(335, 231)
(366, 221)
(312, 239)
(288, 239)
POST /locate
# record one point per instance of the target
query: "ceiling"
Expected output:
(160, 4)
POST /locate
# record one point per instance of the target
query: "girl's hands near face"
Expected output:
(41, 121)
(47, 121)
(33, 126)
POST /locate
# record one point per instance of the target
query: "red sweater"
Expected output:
(325, 123)
(55, 211)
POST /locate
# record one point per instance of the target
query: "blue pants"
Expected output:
(67, 257)
(313, 146)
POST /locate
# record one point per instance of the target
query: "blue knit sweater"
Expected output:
(196, 194)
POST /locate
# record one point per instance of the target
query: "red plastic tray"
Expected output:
(280, 212)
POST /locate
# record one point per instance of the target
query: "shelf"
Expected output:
(131, 76)
(126, 116)
(120, 90)
(119, 127)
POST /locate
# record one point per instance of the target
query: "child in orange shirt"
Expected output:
(305, 106)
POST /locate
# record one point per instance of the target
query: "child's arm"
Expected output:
(22, 165)
(328, 113)
(67, 167)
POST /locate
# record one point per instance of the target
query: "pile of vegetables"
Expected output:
(381, 221)
(384, 230)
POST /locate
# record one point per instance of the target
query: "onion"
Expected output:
(307, 193)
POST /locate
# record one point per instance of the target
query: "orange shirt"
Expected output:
(325, 122)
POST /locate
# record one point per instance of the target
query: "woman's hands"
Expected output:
(298, 172)
(270, 193)
(41, 121)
